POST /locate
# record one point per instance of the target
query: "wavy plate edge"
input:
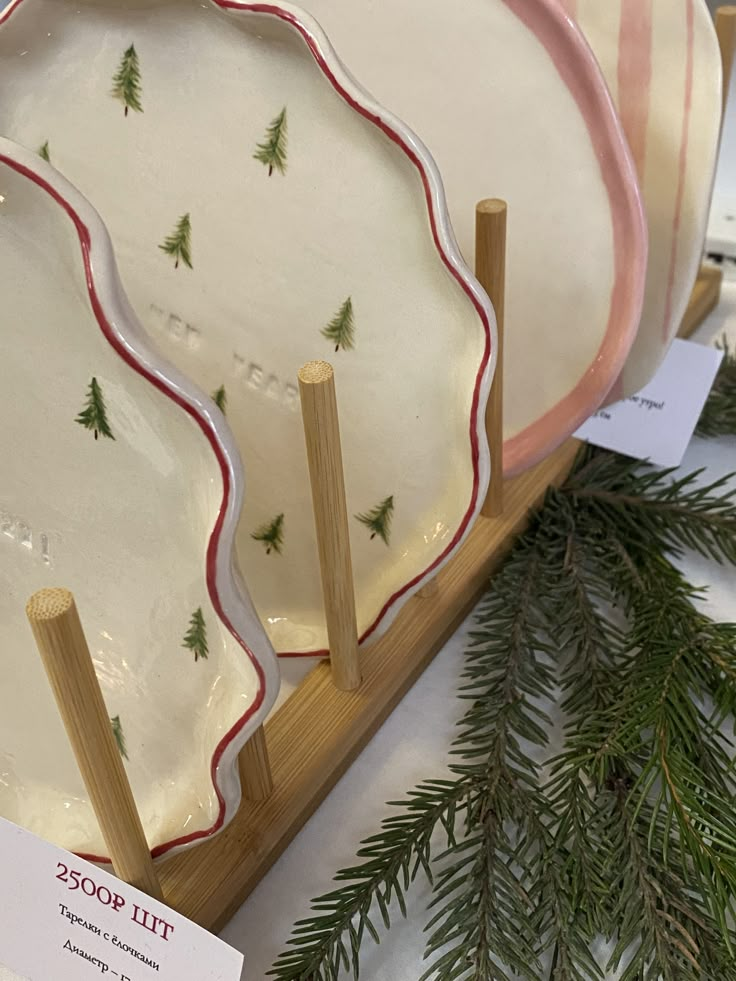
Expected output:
(125, 335)
(359, 99)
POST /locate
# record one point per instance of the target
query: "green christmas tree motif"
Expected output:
(271, 534)
(378, 520)
(179, 243)
(195, 638)
(341, 329)
(219, 397)
(43, 152)
(272, 152)
(117, 731)
(126, 83)
(94, 416)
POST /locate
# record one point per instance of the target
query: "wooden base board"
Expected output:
(319, 731)
(704, 299)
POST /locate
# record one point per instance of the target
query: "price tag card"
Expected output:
(658, 423)
(63, 919)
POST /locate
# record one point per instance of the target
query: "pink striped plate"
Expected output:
(662, 64)
(512, 104)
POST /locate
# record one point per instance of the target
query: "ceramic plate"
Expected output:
(122, 483)
(266, 212)
(662, 64)
(511, 103)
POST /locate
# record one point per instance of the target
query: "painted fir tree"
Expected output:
(44, 152)
(271, 534)
(341, 329)
(94, 414)
(117, 731)
(378, 519)
(179, 243)
(195, 638)
(272, 152)
(219, 397)
(126, 83)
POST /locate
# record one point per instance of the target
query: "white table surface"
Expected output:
(411, 746)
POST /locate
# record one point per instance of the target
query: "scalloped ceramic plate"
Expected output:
(266, 212)
(122, 483)
(512, 104)
(663, 67)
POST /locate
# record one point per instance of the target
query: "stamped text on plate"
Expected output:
(20, 532)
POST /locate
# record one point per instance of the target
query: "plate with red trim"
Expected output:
(512, 104)
(122, 483)
(662, 64)
(266, 212)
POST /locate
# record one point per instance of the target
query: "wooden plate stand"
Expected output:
(289, 766)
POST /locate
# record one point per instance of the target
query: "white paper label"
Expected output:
(658, 423)
(64, 919)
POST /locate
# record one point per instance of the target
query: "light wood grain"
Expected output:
(430, 590)
(54, 620)
(319, 731)
(324, 453)
(704, 299)
(726, 31)
(255, 767)
(490, 269)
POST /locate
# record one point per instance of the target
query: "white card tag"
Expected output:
(64, 919)
(658, 423)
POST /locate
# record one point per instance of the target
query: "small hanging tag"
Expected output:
(658, 423)
(63, 918)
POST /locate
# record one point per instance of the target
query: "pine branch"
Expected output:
(633, 834)
(719, 415)
(393, 859)
(650, 507)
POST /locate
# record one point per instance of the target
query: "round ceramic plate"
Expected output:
(511, 103)
(266, 212)
(122, 483)
(662, 64)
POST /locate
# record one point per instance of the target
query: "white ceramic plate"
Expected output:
(663, 67)
(511, 103)
(122, 483)
(266, 212)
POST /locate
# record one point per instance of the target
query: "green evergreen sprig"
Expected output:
(628, 832)
(719, 414)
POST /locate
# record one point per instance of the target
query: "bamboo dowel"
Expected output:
(726, 31)
(490, 269)
(52, 614)
(324, 454)
(255, 767)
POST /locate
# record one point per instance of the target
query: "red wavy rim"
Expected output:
(214, 540)
(475, 421)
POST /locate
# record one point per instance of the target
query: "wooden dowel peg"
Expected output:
(726, 31)
(255, 767)
(324, 454)
(490, 270)
(52, 614)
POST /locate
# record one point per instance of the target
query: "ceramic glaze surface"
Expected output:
(512, 105)
(117, 485)
(265, 213)
(663, 67)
